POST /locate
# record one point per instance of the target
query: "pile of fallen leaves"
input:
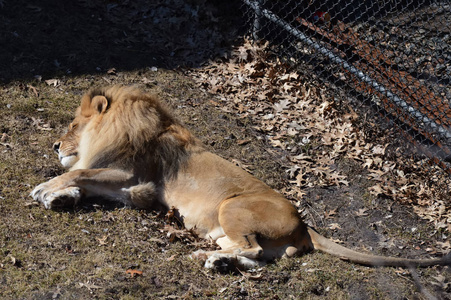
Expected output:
(313, 132)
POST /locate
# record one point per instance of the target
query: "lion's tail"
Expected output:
(326, 245)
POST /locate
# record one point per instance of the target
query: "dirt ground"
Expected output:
(52, 53)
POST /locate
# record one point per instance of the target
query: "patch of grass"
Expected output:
(85, 252)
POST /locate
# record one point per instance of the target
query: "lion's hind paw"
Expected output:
(227, 262)
(221, 263)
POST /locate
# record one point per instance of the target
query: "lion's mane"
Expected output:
(135, 130)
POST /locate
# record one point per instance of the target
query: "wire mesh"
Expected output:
(391, 55)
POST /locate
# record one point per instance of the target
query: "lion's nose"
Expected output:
(56, 147)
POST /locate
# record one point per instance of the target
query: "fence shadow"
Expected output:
(51, 38)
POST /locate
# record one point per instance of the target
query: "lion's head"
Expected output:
(67, 147)
(119, 126)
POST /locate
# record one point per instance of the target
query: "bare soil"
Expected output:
(51, 54)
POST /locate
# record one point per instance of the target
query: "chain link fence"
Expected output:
(392, 56)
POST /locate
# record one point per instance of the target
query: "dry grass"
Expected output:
(86, 252)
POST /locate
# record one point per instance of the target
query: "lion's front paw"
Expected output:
(53, 197)
(227, 262)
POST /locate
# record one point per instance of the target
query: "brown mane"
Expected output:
(136, 123)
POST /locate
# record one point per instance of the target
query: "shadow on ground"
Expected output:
(51, 38)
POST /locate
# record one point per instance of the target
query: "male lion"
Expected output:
(125, 146)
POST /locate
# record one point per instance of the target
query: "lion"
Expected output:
(125, 145)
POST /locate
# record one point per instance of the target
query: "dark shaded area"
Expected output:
(348, 11)
(55, 38)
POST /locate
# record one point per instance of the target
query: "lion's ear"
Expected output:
(99, 103)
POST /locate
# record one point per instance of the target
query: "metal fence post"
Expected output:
(257, 19)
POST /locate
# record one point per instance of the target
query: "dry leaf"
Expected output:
(441, 282)
(361, 212)
(330, 214)
(53, 82)
(40, 124)
(31, 204)
(179, 234)
(89, 285)
(379, 150)
(251, 276)
(243, 142)
(134, 272)
(242, 165)
(102, 240)
(445, 246)
(334, 226)
(15, 262)
(35, 91)
(171, 258)
(4, 137)
(376, 190)
(282, 105)
(324, 107)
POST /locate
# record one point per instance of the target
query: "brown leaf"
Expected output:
(89, 285)
(376, 190)
(256, 277)
(35, 91)
(445, 246)
(111, 71)
(4, 137)
(134, 272)
(16, 262)
(243, 142)
(53, 82)
(361, 212)
(330, 214)
(171, 258)
(379, 150)
(241, 165)
(40, 124)
(282, 105)
(102, 240)
(214, 103)
(334, 226)
(179, 234)
(31, 204)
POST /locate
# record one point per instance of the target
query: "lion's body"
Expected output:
(125, 146)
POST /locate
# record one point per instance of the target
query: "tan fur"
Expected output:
(125, 146)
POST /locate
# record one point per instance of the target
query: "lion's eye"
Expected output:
(73, 126)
